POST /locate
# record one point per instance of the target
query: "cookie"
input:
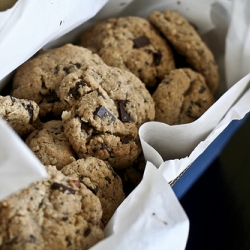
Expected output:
(131, 43)
(21, 114)
(185, 39)
(132, 176)
(182, 97)
(101, 179)
(56, 213)
(38, 79)
(108, 105)
(50, 144)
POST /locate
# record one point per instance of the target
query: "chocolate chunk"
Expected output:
(126, 139)
(62, 188)
(103, 112)
(68, 241)
(108, 179)
(52, 97)
(74, 91)
(69, 69)
(157, 56)
(140, 42)
(86, 126)
(124, 115)
(87, 232)
(30, 109)
(78, 65)
(56, 70)
(32, 239)
(202, 89)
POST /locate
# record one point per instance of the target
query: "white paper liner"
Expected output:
(18, 165)
(26, 29)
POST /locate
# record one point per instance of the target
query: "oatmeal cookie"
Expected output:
(131, 43)
(20, 114)
(182, 97)
(38, 79)
(57, 213)
(101, 179)
(185, 39)
(108, 105)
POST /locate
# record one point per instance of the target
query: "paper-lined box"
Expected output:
(172, 149)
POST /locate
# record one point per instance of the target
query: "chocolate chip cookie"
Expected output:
(21, 114)
(108, 105)
(50, 144)
(185, 39)
(57, 213)
(182, 97)
(131, 43)
(101, 179)
(38, 79)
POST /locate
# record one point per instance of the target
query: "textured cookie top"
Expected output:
(50, 144)
(101, 179)
(57, 213)
(131, 43)
(182, 97)
(38, 79)
(185, 39)
(21, 114)
(108, 105)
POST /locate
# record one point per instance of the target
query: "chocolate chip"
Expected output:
(107, 179)
(86, 126)
(126, 139)
(30, 109)
(74, 91)
(78, 65)
(68, 69)
(87, 232)
(68, 241)
(140, 42)
(124, 115)
(157, 56)
(56, 70)
(103, 112)
(61, 187)
(32, 239)
(202, 89)
(52, 97)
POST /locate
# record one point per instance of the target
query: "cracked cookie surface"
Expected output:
(182, 97)
(42, 216)
(185, 39)
(101, 179)
(131, 43)
(38, 79)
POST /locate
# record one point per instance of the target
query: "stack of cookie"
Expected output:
(167, 54)
(79, 108)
